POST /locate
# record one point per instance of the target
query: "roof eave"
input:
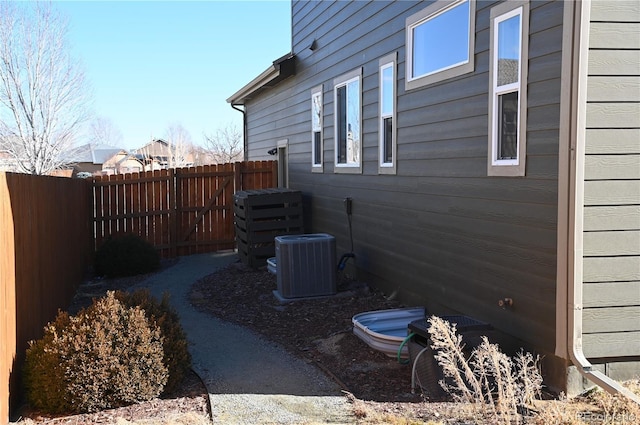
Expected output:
(280, 69)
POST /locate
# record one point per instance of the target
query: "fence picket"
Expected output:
(208, 219)
(158, 195)
(200, 213)
(226, 220)
(120, 211)
(128, 204)
(135, 204)
(98, 223)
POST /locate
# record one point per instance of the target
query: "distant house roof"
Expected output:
(94, 154)
(100, 156)
(154, 148)
(281, 68)
(130, 157)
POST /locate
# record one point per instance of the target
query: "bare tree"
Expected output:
(43, 99)
(102, 131)
(226, 145)
(180, 147)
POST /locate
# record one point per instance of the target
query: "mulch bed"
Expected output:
(190, 397)
(319, 330)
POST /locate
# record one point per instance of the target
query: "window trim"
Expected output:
(317, 167)
(388, 167)
(344, 80)
(419, 18)
(509, 167)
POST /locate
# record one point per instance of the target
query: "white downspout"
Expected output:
(576, 188)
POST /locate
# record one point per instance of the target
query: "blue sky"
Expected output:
(152, 64)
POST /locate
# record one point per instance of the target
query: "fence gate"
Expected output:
(181, 212)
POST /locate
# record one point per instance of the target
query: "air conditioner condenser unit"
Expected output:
(306, 265)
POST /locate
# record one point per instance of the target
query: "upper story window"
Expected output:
(348, 136)
(387, 125)
(440, 42)
(508, 97)
(316, 129)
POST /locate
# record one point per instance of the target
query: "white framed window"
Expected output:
(317, 146)
(440, 42)
(348, 122)
(387, 122)
(508, 89)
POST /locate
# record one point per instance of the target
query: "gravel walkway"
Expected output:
(249, 380)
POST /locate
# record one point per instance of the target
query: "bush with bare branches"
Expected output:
(495, 384)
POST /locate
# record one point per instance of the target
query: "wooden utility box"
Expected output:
(260, 216)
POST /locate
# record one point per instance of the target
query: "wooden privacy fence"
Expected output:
(45, 247)
(46, 244)
(181, 212)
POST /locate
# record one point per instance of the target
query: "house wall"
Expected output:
(611, 272)
(87, 167)
(440, 232)
(130, 165)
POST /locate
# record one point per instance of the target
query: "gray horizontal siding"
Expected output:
(613, 89)
(611, 239)
(616, 62)
(613, 115)
(440, 232)
(611, 269)
(624, 11)
(624, 141)
(620, 319)
(609, 167)
(617, 217)
(612, 243)
(621, 35)
(623, 344)
(611, 192)
(611, 294)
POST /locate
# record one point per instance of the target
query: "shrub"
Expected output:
(496, 385)
(107, 356)
(126, 255)
(43, 375)
(175, 346)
